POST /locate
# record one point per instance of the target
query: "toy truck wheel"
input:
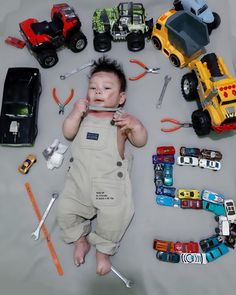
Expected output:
(157, 43)
(201, 122)
(135, 42)
(212, 64)
(217, 20)
(217, 230)
(174, 60)
(47, 59)
(77, 42)
(189, 85)
(102, 42)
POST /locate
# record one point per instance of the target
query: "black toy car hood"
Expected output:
(24, 137)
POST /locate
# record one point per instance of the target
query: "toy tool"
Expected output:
(179, 125)
(15, 42)
(147, 70)
(66, 75)
(127, 282)
(60, 104)
(44, 229)
(166, 81)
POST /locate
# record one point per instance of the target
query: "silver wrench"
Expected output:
(66, 75)
(166, 81)
(35, 234)
(127, 282)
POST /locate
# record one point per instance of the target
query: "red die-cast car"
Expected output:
(190, 204)
(165, 150)
(44, 38)
(186, 247)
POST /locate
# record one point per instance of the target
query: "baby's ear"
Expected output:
(122, 98)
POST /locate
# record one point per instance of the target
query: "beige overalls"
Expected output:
(98, 183)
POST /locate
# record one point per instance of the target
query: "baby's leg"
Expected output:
(82, 247)
(103, 263)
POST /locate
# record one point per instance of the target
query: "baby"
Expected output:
(98, 183)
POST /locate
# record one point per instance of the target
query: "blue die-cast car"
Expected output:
(168, 174)
(216, 252)
(168, 191)
(167, 201)
(218, 209)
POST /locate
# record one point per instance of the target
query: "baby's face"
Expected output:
(104, 90)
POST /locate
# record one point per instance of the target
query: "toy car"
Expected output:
(209, 243)
(212, 165)
(163, 190)
(217, 209)
(196, 258)
(168, 174)
(15, 42)
(201, 10)
(230, 210)
(223, 225)
(187, 161)
(27, 164)
(190, 204)
(210, 83)
(211, 155)
(216, 252)
(168, 256)
(126, 22)
(167, 201)
(186, 247)
(165, 150)
(191, 152)
(212, 197)
(18, 120)
(44, 38)
(158, 174)
(164, 159)
(161, 245)
(188, 194)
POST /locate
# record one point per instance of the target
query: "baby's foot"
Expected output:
(81, 249)
(103, 263)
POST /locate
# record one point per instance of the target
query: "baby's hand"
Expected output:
(81, 106)
(126, 122)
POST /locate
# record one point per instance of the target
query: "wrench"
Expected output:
(166, 81)
(127, 282)
(35, 234)
(66, 75)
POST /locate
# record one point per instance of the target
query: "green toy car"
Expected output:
(126, 22)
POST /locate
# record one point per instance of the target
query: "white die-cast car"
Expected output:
(212, 197)
(196, 258)
(187, 161)
(230, 210)
(213, 165)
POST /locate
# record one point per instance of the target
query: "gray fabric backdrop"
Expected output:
(26, 266)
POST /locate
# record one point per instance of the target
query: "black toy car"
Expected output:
(18, 120)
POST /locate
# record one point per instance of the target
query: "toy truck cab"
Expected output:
(126, 22)
(44, 38)
(210, 83)
(180, 36)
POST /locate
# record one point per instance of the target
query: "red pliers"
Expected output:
(62, 105)
(179, 125)
(147, 70)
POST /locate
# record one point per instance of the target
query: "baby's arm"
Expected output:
(134, 129)
(72, 122)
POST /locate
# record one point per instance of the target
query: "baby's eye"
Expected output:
(107, 88)
(92, 88)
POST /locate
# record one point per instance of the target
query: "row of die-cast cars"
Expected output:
(204, 158)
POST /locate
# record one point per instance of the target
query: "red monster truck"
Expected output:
(44, 38)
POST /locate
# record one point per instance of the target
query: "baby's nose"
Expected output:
(98, 90)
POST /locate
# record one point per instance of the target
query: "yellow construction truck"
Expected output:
(214, 88)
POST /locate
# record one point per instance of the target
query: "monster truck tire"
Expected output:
(174, 60)
(212, 64)
(102, 42)
(157, 43)
(135, 41)
(178, 5)
(215, 24)
(201, 122)
(189, 85)
(77, 42)
(47, 58)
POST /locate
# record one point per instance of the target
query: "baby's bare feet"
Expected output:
(103, 263)
(81, 249)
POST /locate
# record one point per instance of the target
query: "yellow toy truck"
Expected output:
(181, 36)
(211, 84)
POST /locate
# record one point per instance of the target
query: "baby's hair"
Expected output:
(104, 64)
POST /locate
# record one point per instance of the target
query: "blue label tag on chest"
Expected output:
(92, 136)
